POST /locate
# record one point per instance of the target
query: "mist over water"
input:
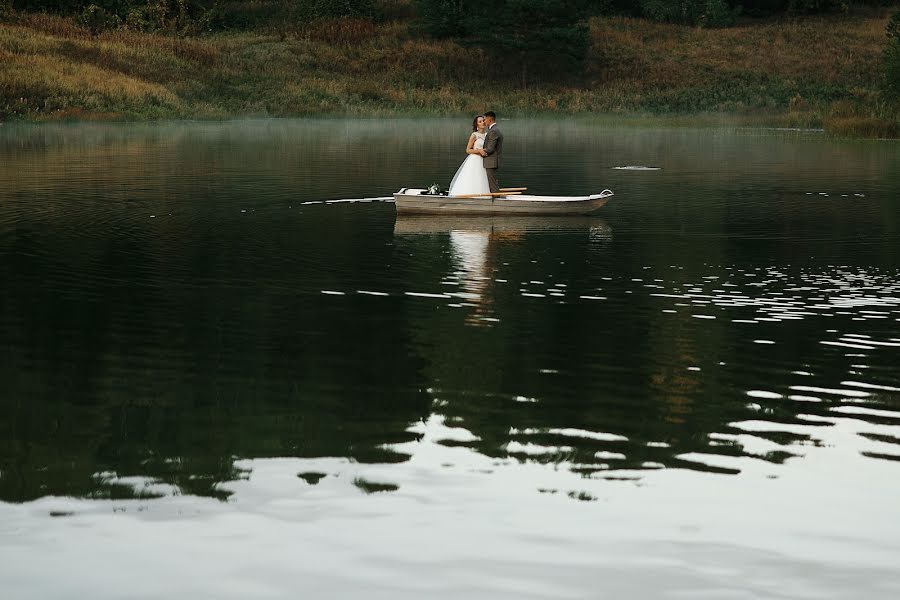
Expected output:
(219, 345)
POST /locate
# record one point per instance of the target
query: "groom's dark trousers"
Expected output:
(493, 182)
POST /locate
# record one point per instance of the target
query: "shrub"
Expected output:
(445, 18)
(705, 13)
(717, 13)
(545, 40)
(893, 28)
(812, 7)
(97, 19)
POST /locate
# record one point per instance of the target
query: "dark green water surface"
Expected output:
(220, 347)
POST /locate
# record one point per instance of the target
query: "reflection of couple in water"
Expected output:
(478, 173)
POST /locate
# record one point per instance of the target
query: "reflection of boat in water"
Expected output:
(432, 224)
(476, 241)
(412, 201)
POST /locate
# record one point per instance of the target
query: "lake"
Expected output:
(229, 370)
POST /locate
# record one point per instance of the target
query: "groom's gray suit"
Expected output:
(493, 146)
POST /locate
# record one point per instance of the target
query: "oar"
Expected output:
(513, 189)
(486, 195)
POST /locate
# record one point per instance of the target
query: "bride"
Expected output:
(471, 178)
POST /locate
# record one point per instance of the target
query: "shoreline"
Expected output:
(628, 120)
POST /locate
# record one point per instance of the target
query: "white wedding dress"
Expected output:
(471, 178)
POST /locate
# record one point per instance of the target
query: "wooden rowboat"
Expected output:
(419, 201)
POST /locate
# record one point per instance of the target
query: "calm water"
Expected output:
(220, 379)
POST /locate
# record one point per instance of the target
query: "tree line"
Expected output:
(441, 18)
(195, 16)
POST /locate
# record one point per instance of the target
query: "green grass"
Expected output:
(817, 72)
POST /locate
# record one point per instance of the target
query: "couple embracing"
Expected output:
(478, 173)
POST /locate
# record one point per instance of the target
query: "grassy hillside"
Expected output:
(823, 71)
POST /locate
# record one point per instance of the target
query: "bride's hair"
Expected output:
(475, 123)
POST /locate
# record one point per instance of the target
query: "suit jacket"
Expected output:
(493, 145)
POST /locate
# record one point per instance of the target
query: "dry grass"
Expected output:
(821, 47)
(762, 65)
(65, 75)
(789, 73)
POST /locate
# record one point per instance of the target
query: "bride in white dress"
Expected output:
(471, 178)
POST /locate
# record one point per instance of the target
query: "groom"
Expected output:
(493, 150)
